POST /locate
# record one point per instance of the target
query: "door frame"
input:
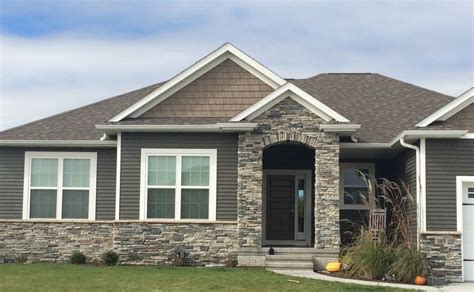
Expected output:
(460, 182)
(298, 174)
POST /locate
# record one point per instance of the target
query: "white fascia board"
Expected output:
(198, 69)
(434, 134)
(339, 127)
(300, 96)
(450, 109)
(59, 143)
(209, 128)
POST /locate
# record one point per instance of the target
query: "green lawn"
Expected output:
(65, 277)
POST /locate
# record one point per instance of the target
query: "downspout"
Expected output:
(418, 188)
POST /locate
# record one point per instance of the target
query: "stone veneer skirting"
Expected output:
(136, 243)
(444, 255)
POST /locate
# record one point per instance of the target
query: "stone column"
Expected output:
(327, 234)
(249, 190)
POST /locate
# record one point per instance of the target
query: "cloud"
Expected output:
(58, 55)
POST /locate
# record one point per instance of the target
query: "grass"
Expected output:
(66, 277)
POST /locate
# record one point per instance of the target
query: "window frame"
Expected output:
(344, 166)
(178, 153)
(60, 156)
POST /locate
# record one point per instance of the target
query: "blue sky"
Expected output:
(58, 55)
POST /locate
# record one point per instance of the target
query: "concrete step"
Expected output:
(294, 251)
(288, 265)
(290, 257)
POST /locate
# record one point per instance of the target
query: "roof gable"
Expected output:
(219, 94)
(227, 51)
(298, 95)
(449, 110)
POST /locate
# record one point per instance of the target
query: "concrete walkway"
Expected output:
(313, 275)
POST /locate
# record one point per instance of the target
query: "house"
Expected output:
(228, 158)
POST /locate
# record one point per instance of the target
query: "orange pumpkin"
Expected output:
(420, 280)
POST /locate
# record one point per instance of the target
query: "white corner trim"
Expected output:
(450, 109)
(179, 153)
(297, 94)
(60, 156)
(118, 176)
(198, 69)
(59, 143)
(423, 184)
(460, 180)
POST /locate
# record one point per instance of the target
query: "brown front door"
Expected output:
(280, 207)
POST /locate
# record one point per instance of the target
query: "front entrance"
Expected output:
(287, 207)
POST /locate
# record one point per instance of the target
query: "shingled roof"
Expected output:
(383, 106)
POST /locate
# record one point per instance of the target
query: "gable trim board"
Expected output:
(450, 109)
(298, 95)
(227, 51)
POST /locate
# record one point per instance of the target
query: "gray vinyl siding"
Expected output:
(226, 145)
(404, 172)
(445, 159)
(12, 160)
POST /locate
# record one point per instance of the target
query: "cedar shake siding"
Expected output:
(463, 120)
(445, 159)
(12, 161)
(226, 145)
(222, 92)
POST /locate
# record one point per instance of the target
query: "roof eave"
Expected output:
(205, 128)
(59, 143)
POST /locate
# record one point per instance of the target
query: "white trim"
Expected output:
(422, 206)
(297, 94)
(60, 156)
(339, 127)
(118, 176)
(418, 187)
(306, 174)
(212, 153)
(460, 180)
(468, 136)
(450, 109)
(206, 128)
(224, 52)
(353, 165)
(59, 143)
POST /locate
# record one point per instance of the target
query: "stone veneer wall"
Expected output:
(137, 243)
(444, 255)
(288, 121)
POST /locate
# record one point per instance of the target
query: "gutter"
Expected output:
(205, 128)
(59, 143)
(418, 188)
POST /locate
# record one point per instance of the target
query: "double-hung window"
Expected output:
(354, 185)
(59, 185)
(178, 184)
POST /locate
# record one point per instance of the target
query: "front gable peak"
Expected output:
(223, 53)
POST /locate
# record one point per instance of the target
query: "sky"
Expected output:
(59, 55)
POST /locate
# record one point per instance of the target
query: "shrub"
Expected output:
(179, 259)
(77, 258)
(409, 263)
(109, 258)
(21, 259)
(367, 258)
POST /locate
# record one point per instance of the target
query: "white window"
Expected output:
(178, 184)
(59, 185)
(354, 189)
